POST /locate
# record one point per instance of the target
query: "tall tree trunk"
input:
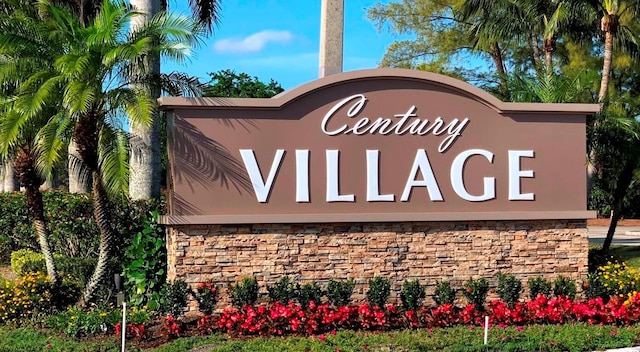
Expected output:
(622, 185)
(11, 183)
(536, 50)
(79, 177)
(25, 166)
(1, 177)
(101, 210)
(145, 159)
(498, 61)
(609, 25)
(548, 62)
(549, 46)
(51, 182)
(606, 67)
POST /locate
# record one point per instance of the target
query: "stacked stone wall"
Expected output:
(428, 251)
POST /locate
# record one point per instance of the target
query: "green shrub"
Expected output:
(207, 297)
(131, 217)
(310, 291)
(33, 265)
(14, 221)
(509, 288)
(593, 287)
(76, 322)
(475, 291)
(598, 259)
(444, 293)
(66, 294)
(339, 292)
(539, 286)
(379, 291)
(78, 270)
(23, 256)
(412, 294)
(563, 286)
(72, 229)
(244, 292)
(619, 278)
(174, 298)
(283, 291)
(6, 247)
(144, 263)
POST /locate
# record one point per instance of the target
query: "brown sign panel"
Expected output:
(375, 145)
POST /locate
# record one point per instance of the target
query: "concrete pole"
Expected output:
(331, 37)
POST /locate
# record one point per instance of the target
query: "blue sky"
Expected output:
(279, 39)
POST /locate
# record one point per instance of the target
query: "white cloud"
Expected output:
(253, 43)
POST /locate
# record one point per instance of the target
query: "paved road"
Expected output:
(628, 235)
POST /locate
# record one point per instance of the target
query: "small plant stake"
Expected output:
(486, 329)
(124, 324)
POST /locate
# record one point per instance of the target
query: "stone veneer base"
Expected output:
(428, 251)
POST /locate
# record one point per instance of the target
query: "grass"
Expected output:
(27, 340)
(630, 254)
(578, 337)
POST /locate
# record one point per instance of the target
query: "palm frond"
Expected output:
(114, 160)
(51, 142)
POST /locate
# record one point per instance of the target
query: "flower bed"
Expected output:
(278, 319)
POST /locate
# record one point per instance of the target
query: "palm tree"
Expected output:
(27, 141)
(32, 150)
(611, 16)
(145, 152)
(522, 21)
(97, 78)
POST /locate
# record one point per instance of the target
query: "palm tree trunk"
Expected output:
(145, 160)
(101, 216)
(536, 50)
(2, 177)
(498, 61)
(11, 183)
(78, 174)
(619, 193)
(606, 67)
(548, 62)
(25, 166)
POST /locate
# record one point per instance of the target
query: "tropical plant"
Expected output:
(144, 263)
(30, 141)
(145, 156)
(95, 76)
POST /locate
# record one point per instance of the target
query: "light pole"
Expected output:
(331, 37)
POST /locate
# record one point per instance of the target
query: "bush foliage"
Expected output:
(244, 292)
(379, 291)
(339, 292)
(444, 293)
(475, 291)
(412, 295)
(283, 291)
(72, 229)
(509, 288)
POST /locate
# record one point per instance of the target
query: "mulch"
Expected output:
(621, 223)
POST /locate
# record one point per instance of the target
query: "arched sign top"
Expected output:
(378, 74)
(375, 145)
